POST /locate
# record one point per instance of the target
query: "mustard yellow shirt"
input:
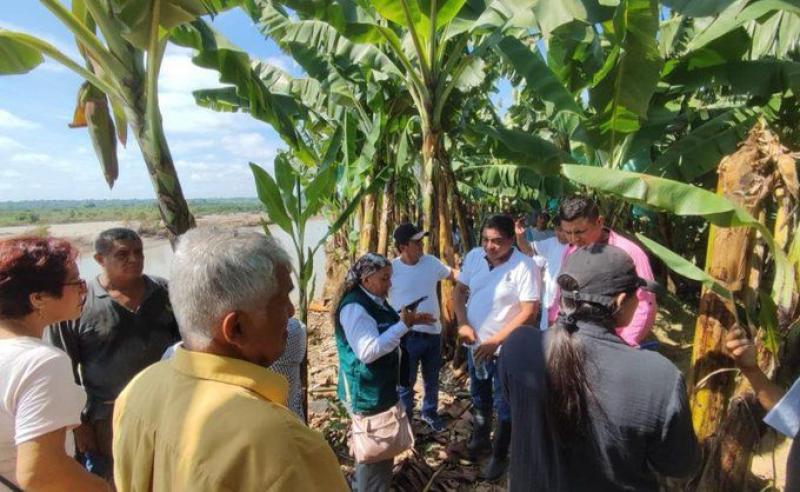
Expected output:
(202, 422)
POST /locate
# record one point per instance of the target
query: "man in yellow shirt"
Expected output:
(212, 418)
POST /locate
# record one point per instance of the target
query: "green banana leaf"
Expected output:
(700, 151)
(270, 195)
(684, 267)
(623, 88)
(323, 185)
(747, 78)
(563, 108)
(136, 16)
(738, 14)
(216, 53)
(521, 148)
(17, 57)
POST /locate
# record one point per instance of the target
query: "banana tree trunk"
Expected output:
(446, 252)
(171, 204)
(460, 212)
(366, 242)
(430, 147)
(386, 222)
(721, 410)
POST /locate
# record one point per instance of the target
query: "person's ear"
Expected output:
(37, 301)
(231, 329)
(601, 221)
(619, 300)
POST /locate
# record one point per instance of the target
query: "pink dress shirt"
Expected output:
(645, 314)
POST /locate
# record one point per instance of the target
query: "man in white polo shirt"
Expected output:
(503, 288)
(415, 275)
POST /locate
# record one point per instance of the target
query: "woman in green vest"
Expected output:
(368, 332)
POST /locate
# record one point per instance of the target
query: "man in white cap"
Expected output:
(415, 275)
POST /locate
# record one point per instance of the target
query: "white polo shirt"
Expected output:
(495, 295)
(410, 282)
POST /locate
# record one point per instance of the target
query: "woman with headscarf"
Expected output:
(368, 333)
(590, 412)
(39, 400)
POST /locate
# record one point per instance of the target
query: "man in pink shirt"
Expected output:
(583, 225)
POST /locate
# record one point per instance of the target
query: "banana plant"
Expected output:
(429, 49)
(296, 195)
(122, 43)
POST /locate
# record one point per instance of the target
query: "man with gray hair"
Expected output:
(211, 417)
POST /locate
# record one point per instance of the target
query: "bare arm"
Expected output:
(526, 316)
(465, 331)
(522, 242)
(743, 352)
(43, 465)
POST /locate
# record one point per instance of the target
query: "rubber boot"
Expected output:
(499, 461)
(479, 444)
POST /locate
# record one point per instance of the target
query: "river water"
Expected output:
(158, 253)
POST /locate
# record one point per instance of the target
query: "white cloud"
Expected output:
(10, 174)
(251, 146)
(9, 120)
(7, 144)
(179, 74)
(31, 157)
(211, 149)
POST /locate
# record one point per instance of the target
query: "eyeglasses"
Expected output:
(80, 282)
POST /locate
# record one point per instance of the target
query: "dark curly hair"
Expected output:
(577, 207)
(29, 265)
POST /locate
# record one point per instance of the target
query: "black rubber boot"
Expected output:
(499, 461)
(479, 444)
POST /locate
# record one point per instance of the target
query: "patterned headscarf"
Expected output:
(364, 267)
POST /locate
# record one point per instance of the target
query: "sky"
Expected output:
(42, 158)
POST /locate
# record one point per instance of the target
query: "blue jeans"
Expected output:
(486, 393)
(425, 349)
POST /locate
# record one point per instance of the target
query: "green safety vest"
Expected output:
(372, 387)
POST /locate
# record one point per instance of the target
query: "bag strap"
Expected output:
(8, 483)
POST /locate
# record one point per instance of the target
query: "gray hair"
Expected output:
(215, 272)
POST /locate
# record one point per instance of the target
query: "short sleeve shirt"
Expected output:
(37, 395)
(495, 294)
(111, 343)
(410, 282)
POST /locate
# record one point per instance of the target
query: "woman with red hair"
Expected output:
(39, 400)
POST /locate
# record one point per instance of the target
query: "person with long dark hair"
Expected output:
(368, 333)
(591, 412)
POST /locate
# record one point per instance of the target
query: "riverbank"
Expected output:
(157, 250)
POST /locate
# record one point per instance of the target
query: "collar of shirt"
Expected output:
(502, 260)
(380, 301)
(99, 291)
(228, 370)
